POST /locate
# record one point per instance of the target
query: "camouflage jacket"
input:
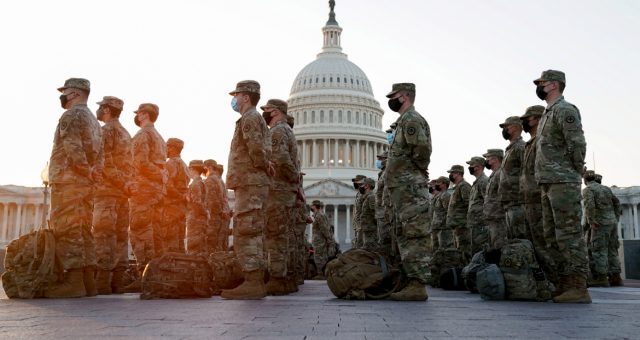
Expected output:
(528, 185)
(600, 205)
(149, 159)
(380, 203)
(321, 230)
(213, 196)
(77, 147)
(250, 151)
(118, 160)
(493, 208)
(410, 151)
(177, 181)
(284, 155)
(357, 208)
(475, 216)
(509, 192)
(368, 212)
(561, 144)
(458, 206)
(197, 197)
(440, 208)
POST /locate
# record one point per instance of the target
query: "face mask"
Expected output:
(234, 105)
(379, 164)
(451, 178)
(136, 120)
(472, 169)
(395, 104)
(362, 190)
(540, 92)
(525, 126)
(100, 115)
(64, 101)
(390, 137)
(267, 117)
(431, 190)
(505, 134)
(487, 165)
(356, 186)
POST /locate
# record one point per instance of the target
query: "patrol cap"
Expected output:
(278, 104)
(395, 88)
(494, 152)
(393, 125)
(551, 75)
(175, 142)
(384, 154)
(152, 109)
(196, 163)
(456, 168)
(250, 86)
(370, 182)
(513, 120)
(112, 101)
(210, 163)
(443, 180)
(536, 110)
(389, 130)
(317, 203)
(76, 83)
(358, 178)
(476, 160)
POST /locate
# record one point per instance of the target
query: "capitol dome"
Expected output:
(338, 127)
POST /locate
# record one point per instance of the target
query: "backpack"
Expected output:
(517, 263)
(176, 276)
(442, 260)
(227, 272)
(490, 283)
(359, 274)
(470, 271)
(451, 279)
(30, 264)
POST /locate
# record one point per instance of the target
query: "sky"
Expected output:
(472, 61)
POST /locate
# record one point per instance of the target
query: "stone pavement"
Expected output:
(313, 313)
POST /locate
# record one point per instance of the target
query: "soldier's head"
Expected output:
(219, 170)
(110, 108)
(550, 85)
(381, 162)
(401, 97)
(357, 181)
(291, 121)
(368, 184)
(210, 166)
(274, 111)
(317, 205)
(146, 114)
(511, 128)
(456, 173)
(174, 147)
(476, 166)
(433, 187)
(531, 118)
(598, 179)
(74, 91)
(245, 96)
(196, 168)
(442, 183)
(589, 176)
(493, 159)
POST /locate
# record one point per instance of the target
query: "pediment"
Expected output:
(329, 188)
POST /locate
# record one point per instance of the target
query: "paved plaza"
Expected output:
(313, 313)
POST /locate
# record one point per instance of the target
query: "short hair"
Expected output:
(254, 98)
(561, 86)
(411, 95)
(114, 111)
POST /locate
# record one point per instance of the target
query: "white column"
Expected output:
(636, 228)
(336, 154)
(348, 239)
(326, 153)
(304, 153)
(38, 218)
(335, 223)
(16, 228)
(367, 152)
(347, 152)
(5, 220)
(357, 157)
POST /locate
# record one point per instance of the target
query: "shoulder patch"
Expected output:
(411, 130)
(570, 119)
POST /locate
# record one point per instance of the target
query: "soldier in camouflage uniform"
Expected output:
(174, 213)
(248, 175)
(75, 167)
(357, 238)
(111, 201)
(197, 214)
(433, 233)
(558, 168)
(440, 209)
(546, 253)
(614, 277)
(368, 223)
(493, 210)
(384, 209)
(149, 159)
(302, 218)
(322, 239)
(602, 213)
(475, 217)
(282, 198)
(213, 205)
(227, 213)
(407, 180)
(457, 211)
(509, 191)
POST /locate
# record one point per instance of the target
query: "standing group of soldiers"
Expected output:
(109, 190)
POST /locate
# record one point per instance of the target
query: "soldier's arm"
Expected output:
(172, 175)
(141, 158)
(255, 138)
(617, 209)
(465, 193)
(281, 156)
(70, 133)
(419, 139)
(574, 137)
(589, 205)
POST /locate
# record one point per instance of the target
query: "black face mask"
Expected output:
(136, 120)
(540, 92)
(487, 165)
(267, 117)
(362, 190)
(472, 169)
(63, 101)
(505, 134)
(395, 104)
(431, 190)
(525, 126)
(451, 178)
(356, 186)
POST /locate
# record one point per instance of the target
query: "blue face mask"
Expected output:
(379, 164)
(234, 105)
(390, 137)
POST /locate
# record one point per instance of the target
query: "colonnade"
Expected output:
(339, 152)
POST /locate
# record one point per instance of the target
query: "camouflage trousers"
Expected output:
(196, 234)
(604, 250)
(144, 229)
(111, 232)
(301, 253)
(320, 252)
(356, 242)
(280, 221)
(370, 237)
(214, 224)
(479, 238)
(384, 236)
(71, 215)
(445, 238)
(463, 241)
(410, 204)
(561, 217)
(248, 226)
(546, 254)
(515, 220)
(174, 217)
(435, 244)
(497, 232)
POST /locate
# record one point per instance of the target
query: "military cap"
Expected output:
(456, 168)
(513, 120)
(494, 152)
(210, 163)
(175, 142)
(384, 154)
(303, 173)
(443, 179)
(317, 203)
(196, 163)
(112, 101)
(395, 88)
(250, 86)
(476, 161)
(370, 181)
(76, 83)
(550, 75)
(536, 110)
(358, 178)
(393, 125)
(389, 130)
(152, 109)
(589, 174)
(281, 105)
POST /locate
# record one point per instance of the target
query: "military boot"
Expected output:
(251, 289)
(277, 286)
(117, 281)
(615, 280)
(414, 291)
(103, 282)
(90, 281)
(72, 286)
(577, 292)
(599, 280)
(562, 286)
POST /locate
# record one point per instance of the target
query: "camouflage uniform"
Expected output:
(368, 222)
(149, 158)
(197, 214)
(509, 190)
(213, 205)
(174, 212)
(408, 161)
(225, 219)
(475, 216)
(358, 237)
(322, 239)
(457, 215)
(493, 210)
(301, 252)
(77, 149)
(384, 215)
(444, 235)
(111, 202)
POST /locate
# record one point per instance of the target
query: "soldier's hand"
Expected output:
(308, 219)
(271, 170)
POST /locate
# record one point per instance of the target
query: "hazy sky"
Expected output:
(472, 62)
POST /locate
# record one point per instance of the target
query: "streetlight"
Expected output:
(44, 175)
